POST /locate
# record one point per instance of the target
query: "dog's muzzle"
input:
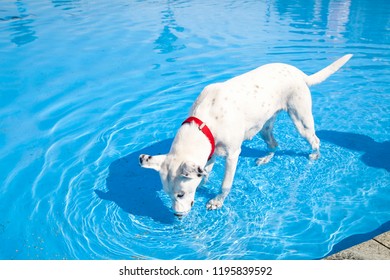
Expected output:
(184, 213)
(180, 214)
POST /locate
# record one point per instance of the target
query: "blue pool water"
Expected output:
(87, 86)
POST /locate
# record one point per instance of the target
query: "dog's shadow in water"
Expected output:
(135, 189)
(376, 154)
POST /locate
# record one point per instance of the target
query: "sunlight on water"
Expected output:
(88, 87)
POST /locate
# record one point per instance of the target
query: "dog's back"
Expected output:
(247, 101)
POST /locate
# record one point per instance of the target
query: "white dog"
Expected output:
(224, 115)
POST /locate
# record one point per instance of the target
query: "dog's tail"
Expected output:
(323, 74)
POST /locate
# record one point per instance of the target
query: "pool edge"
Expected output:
(377, 248)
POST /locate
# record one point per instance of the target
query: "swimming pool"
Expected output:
(87, 86)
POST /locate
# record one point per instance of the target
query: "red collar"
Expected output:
(206, 131)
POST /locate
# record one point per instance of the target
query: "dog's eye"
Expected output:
(180, 195)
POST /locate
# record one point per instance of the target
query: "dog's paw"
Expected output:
(314, 156)
(215, 203)
(265, 160)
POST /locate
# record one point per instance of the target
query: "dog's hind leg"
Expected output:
(304, 122)
(269, 139)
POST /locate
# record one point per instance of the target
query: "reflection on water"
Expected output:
(20, 25)
(66, 4)
(354, 20)
(369, 21)
(338, 18)
(167, 41)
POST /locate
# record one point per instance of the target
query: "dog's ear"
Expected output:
(153, 162)
(191, 170)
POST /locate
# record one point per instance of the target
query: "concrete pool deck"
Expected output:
(377, 248)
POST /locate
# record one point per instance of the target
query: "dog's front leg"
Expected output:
(230, 170)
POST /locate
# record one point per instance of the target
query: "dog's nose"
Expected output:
(141, 159)
(179, 215)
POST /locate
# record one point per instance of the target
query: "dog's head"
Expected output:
(179, 179)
